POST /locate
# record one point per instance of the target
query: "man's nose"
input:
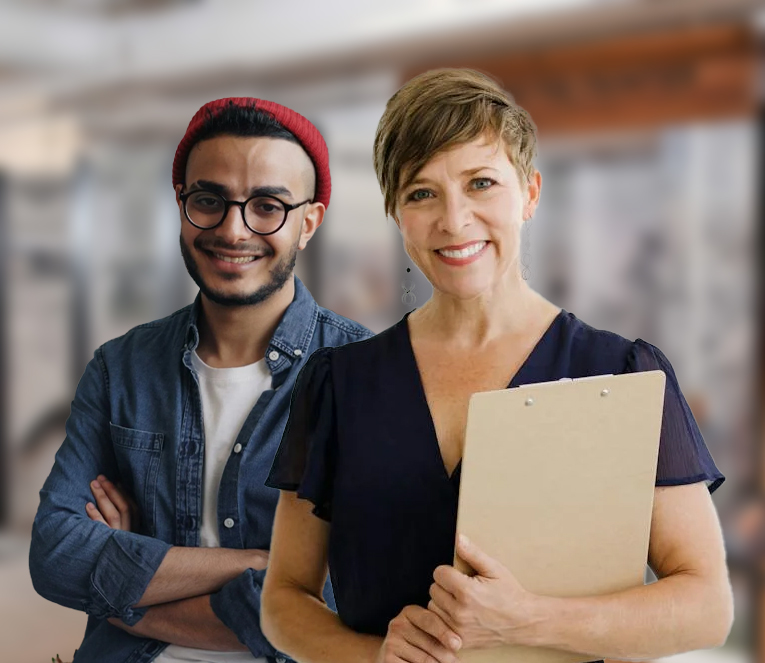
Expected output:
(233, 227)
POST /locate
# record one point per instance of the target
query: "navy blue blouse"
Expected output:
(361, 446)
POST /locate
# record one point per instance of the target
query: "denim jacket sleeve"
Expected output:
(237, 605)
(75, 561)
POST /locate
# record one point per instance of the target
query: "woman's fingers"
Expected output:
(443, 599)
(482, 563)
(408, 653)
(434, 626)
(417, 635)
(433, 607)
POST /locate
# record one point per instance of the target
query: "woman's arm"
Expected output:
(690, 606)
(294, 617)
(297, 621)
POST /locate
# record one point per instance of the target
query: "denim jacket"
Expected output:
(137, 418)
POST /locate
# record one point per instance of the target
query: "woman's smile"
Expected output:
(464, 254)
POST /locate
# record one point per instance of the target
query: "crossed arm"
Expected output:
(178, 595)
(119, 574)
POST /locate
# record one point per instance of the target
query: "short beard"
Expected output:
(280, 274)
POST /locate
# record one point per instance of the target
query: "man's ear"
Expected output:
(178, 189)
(311, 221)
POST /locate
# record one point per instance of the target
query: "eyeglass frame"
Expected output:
(227, 204)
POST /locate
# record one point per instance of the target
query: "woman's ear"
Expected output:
(533, 191)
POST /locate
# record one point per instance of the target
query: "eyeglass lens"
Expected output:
(262, 214)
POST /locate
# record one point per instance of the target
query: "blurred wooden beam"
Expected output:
(657, 78)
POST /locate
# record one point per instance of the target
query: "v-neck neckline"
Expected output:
(420, 387)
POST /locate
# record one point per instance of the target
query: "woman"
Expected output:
(376, 428)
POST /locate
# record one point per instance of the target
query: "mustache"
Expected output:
(207, 244)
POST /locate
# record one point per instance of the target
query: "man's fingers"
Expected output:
(108, 510)
(117, 498)
(94, 513)
(434, 626)
(135, 518)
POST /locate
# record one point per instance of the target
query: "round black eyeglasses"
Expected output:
(263, 215)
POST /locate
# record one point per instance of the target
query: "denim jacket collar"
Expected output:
(290, 340)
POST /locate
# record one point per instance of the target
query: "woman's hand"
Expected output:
(486, 610)
(113, 507)
(417, 635)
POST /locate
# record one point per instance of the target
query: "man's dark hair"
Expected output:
(243, 121)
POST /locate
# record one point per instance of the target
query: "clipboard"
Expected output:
(557, 484)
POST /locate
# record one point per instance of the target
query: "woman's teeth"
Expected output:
(238, 261)
(463, 253)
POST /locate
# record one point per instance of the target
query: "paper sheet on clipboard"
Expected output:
(557, 483)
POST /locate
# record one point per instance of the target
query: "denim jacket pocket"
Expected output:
(138, 455)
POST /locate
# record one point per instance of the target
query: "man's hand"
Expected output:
(485, 610)
(116, 509)
(113, 507)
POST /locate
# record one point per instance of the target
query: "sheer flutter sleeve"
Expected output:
(683, 455)
(305, 462)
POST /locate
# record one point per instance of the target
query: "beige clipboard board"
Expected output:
(557, 483)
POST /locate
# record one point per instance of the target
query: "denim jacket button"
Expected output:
(273, 355)
(228, 523)
(237, 448)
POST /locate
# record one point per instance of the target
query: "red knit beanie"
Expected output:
(308, 135)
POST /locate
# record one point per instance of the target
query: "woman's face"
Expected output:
(461, 218)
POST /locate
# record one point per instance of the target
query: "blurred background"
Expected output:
(650, 118)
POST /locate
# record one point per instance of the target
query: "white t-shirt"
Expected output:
(228, 396)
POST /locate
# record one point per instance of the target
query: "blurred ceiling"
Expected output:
(117, 62)
(171, 38)
(101, 7)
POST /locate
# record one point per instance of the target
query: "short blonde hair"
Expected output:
(438, 110)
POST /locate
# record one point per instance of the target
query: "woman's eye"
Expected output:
(419, 194)
(482, 183)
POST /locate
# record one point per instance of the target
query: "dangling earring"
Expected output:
(526, 249)
(408, 285)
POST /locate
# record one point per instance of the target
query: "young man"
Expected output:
(187, 412)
